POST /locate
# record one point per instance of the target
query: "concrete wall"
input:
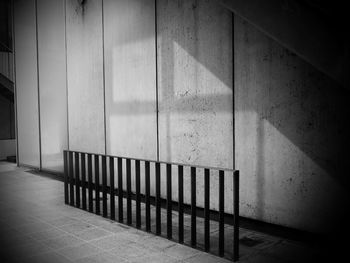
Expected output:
(287, 124)
(85, 76)
(26, 82)
(52, 82)
(290, 135)
(130, 78)
(195, 90)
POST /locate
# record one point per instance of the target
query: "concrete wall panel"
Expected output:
(195, 86)
(290, 137)
(85, 76)
(130, 78)
(26, 83)
(52, 82)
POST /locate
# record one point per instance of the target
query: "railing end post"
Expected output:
(235, 215)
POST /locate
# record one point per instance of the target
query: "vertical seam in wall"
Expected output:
(37, 73)
(233, 91)
(104, 78)
(65, 52)
(156, 53)
(14, 79)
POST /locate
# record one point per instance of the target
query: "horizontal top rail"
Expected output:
(161, 162)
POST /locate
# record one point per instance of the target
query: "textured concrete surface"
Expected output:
(290, 137)
(85, 76)
(195, 87)
(195, 83)
(36, 226)
(52, 82)
(26, 82)
(130, 78)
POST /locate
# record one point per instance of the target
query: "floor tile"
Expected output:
(63, 241)
(130, 251)
(76, 227)
(81, 251)
(181, 252)
(93, 233)
(110, 242)
(206, 258)
(36, 226)
(50, 257)
(102, 258)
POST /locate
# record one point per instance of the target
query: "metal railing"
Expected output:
(82, 176)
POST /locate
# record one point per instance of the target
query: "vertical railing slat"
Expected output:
(104, 186)
(97, 184)
(158, 200)
(221, 212)
(206, 210)
(169, 202)
(83, 180)
(91, 205)
(77, 180)
(147, 190)
(65, 162)
(128, 189)
(111, 182)
(138, 197)
(193, 208)
(71, 179)
(120, 190)
(236, 216)
(181, 199)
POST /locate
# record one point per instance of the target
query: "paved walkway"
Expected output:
(36, 226)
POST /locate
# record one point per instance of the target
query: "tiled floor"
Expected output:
(36, 226)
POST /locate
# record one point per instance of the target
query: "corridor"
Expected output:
(36, 226)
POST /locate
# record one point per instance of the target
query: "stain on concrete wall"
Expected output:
(290, 134)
